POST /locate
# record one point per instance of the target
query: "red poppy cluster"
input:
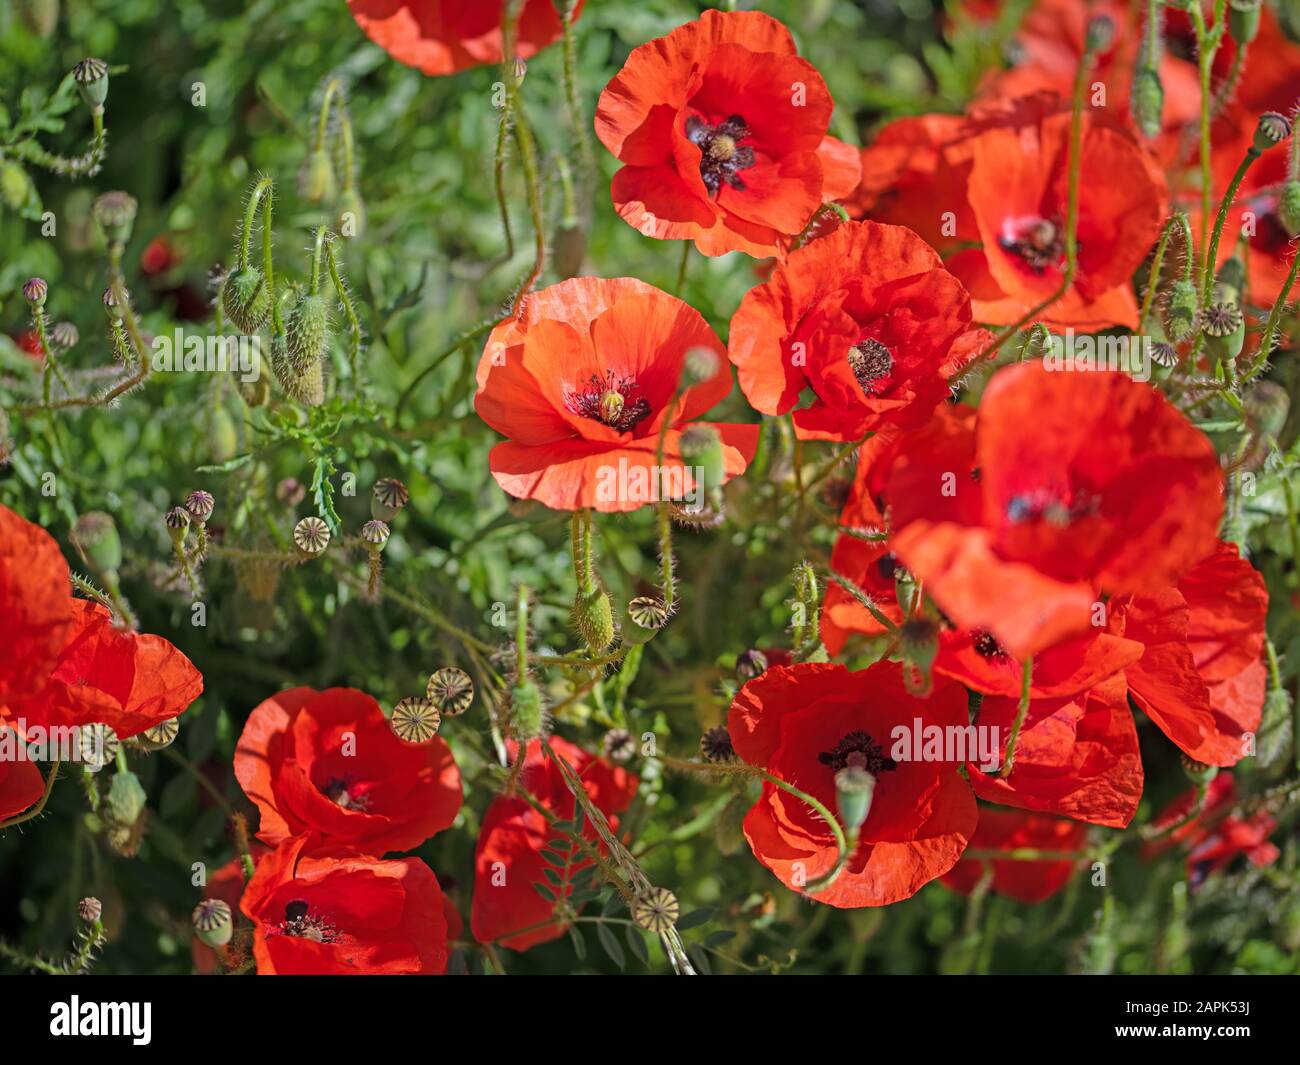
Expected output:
(65, 663)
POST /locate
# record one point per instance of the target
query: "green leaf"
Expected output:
(636, 940)
(579, 944)
(611, 945)
(695, 918)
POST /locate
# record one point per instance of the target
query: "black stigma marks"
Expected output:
(614, 401)
(722, 156)
(986, 646)
(860, 750)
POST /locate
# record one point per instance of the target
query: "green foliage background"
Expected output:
(428, 266)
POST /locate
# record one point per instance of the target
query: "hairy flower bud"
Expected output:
(701, 448)
(527, 714)
(593, 615)
(316, 177)
(1148, 100)
(1288, 210)
(246, 300)
(95, 536)
(568, 249)
(307, 331)
(1180, 311)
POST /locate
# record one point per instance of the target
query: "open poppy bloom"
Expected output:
(870, 566)
(66, 663)
(804, 723)
(1214, 837)
(1202, 677)
(1116, 493)
(1024, 881)
(326, 764)
(345, 915)
(581, 383)
(1004, 175)
(721, 129)
(866, 317)
(508, 862)
(1076, 756)
(444, 36)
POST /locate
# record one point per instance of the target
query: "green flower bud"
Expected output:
(126, 798)
(568, 249)
(96, 537)
(306, 386)
(39, 16)
(1180, 310)
(246, 300)
(222, 435)
(701, 448)
(1148, 100)
(593, 615)
(1230, 281)
(15, 186)
(316, 177)
(307, 330)
(528, 717)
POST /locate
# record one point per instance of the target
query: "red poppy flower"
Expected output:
(797, 722)
(36, 606)
(1116, 492)
(326, 764)
(508, 860)
(1003, 176)
(1214, 837)
(340, 916)
(581, 381)
(868, 319)
(1009, 830)
(721, 129)
(445, 36)
(1201, 677)
(870, 566)
(1076, 756)
(21, 785)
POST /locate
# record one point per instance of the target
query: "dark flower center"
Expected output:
(860, 750)
(346, 794)
(871, 363)
(1040, 242)
(986, 646)
(722, 156)
(614, 402)
(302, 922)
(1051, 509)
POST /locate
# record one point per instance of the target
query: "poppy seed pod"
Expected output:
(1273, 128)
(1243, 19)
(246, 300)
(619, 744)
(200, 505)
(213, 922)
(751, 664)
(716, 746)
(307, 331)
(1148, 100)
(374, 534)
(415, 720)
(90, 909)
(593, 615)
(178, 524)
(656, 910)
(91, 76)
(95, 535)
(644, 616)
(35, 291)
(311, 536)
(1224, 327)
(388, 498)
(450, 690)
(854, 790)
(1100, 33)
(528, 718)
(159, 736)
(1180, 310)
(64, 335)
(114, 213)
(700, 364)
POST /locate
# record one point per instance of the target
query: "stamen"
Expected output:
(860, 750)
(871, 363)
(722, 155)
(613, 401)
(302, 922)
(986, 646)
(1040, 242)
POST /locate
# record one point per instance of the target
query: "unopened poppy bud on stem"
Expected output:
(1148, 100)
(1180, 311)
(1243, 19)
(527, 713)
(1101, 32)
(316, 178)
(701, 448)
(34, 292)
(1289, 207)
(593, 615)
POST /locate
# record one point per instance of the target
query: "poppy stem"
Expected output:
(681, 268)
(349, 310)
(667, 566)
(864, 600)
(1271, 327)
(521, 635)
(1207, 46)
(567, 10)
(1157, 263)
(1212, 255)
(1021, 711)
